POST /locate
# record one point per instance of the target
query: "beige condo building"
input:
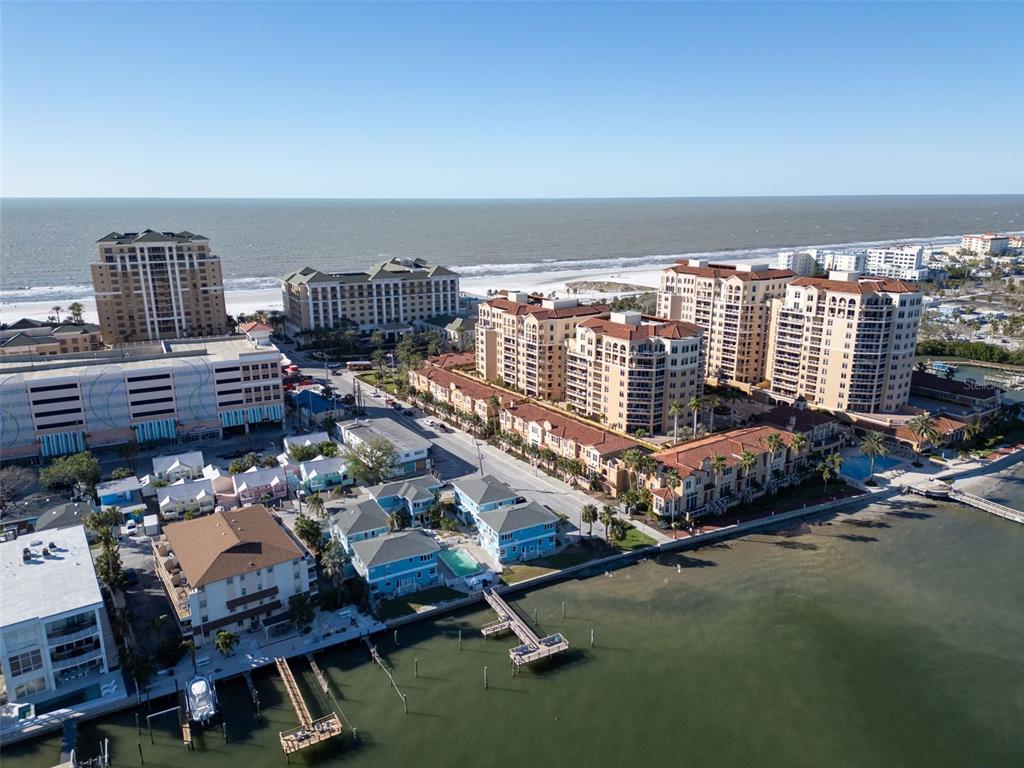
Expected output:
(520, 341)
(389, 296)
(628, 369)
(157, 285)
(845, 343)
(731, 304)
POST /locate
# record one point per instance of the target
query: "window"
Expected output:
(26, 662)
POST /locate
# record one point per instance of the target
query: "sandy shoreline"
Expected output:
(247, 302)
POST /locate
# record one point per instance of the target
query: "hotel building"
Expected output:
(520, 341)
(989, 244)
(903, 262)
(845, 343)
(55, 638)
(388, 296)
(174, 391)
(158, 285)
(731, 304)
(32, 337)
(627, 369)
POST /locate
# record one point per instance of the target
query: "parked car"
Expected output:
(131, 527)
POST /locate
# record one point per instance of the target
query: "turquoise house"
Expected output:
(324, 472)
(415, 496)
(362, 521)
(514, 534)
(481, 493)
(398, 563)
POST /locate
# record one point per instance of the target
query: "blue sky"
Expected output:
(510, 100)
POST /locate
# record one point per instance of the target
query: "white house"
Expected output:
(55, 638)
(178, 466)
(235, 570)
(195, 496)
(313, 439)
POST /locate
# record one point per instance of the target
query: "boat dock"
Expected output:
(310, 731)
(942, 491)
(533, 648)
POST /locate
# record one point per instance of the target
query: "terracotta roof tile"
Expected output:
(722, 271)
(544, 313)
(690, 456)
(566, 428)
(859, 287)
(666, 329)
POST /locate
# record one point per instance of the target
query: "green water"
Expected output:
(890, 640)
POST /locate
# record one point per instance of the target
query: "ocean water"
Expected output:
(48, 244)
(889, 639)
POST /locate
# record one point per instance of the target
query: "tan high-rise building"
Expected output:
(731, 303)
(627, 369)
(845, 343)
(158, 285)
(520, 341)
(388, 296)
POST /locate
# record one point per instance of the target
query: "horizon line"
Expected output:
(509, 198)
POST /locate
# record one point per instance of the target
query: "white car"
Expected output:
(130, 527)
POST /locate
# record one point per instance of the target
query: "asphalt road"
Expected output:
(457, 453)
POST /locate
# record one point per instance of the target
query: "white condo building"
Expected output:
(55, 638)
(901, 262)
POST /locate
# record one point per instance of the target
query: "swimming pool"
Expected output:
(460, 562)
(859, 467)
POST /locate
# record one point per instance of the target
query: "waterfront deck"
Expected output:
(533, 648)
(310, 731)
(942, 491)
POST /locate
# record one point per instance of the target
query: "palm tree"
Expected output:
(588, 515)
(631, 461)
(309, 532)
(56, 311)
(972, 430)
(695, 404)
(797, 444)
(673, 481)
(712, 402)
(333, 562)
(226, 642)
(873, 445)
(316, 506)
(926, 430)
(675, 408)
(190, 645)
(748, 460)
(607, 516)
(717, 465)
(829, 468)
(772, 443)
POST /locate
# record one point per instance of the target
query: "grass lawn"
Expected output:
(370, 377)
(415, 602)
(567, 558)
(635, 539)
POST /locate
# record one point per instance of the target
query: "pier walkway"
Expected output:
(942, 491)
(310, 731)
(533, 648)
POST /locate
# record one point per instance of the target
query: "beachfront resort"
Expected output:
(203, 497)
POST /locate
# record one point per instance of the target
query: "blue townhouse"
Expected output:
(481, 493)
(398, 563)
(324, 472)
(416, 496)
(513, 534)
(359, 522)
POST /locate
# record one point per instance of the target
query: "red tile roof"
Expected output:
(667, 329)
(470, 387)
(859, 287)
(690, 456)
(453, 360)
(725, 271)
(566, 428)
(544, 313)
(254, 326)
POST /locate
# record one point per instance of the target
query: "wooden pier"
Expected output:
(533, 648)
(310, 731)
(1000, 510)
(321, 678)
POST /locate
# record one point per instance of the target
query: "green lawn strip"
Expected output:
(635, 539)
(513, 574)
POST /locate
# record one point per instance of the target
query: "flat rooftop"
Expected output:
(46, 586)
(145, 356)
(404, 440)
